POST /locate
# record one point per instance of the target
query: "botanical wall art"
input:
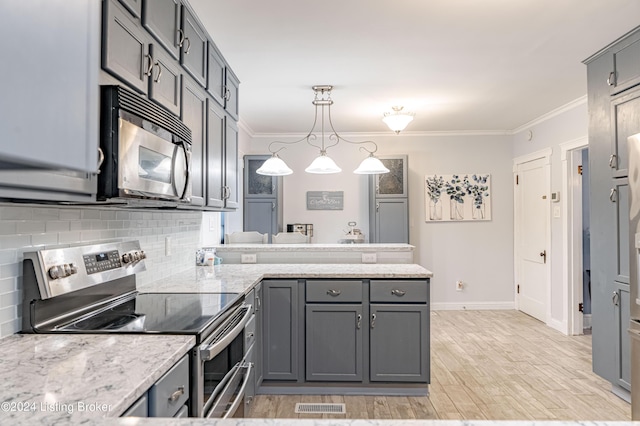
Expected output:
(457, 197)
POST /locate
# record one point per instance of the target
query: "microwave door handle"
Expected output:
(180, 191)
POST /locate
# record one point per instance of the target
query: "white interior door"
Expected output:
(532, 224)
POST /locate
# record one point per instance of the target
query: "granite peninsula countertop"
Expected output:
(74, 378)
(314, 247)
(240, 278)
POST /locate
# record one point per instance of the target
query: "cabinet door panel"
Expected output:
(231, 94)
(334, 342)
(622, 227)
(260, 216)
(394, 183)
(215, 75)
(622, 310)
(215, 143)
(280, 329)
(193, 54)
(125, 47)
(162, 19)
(391, 221)
(626, 65)
(165, 84)
(625, 121)
(399, 326)
(231, 163)
(194, 115)
(255, 185)
(133, 6)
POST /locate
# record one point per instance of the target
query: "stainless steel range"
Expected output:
(92, 289)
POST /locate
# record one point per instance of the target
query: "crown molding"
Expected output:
(551, 114)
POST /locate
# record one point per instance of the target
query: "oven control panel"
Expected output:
(102, 261)
(60, 270)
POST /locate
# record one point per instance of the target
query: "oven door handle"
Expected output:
(224, 387)
(209, 351)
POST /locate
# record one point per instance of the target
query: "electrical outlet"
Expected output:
(369, 257)
(459, 285)
(248, 258)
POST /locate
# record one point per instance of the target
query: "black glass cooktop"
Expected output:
(171, 313)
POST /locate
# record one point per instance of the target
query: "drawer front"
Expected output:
(399, 291)
(334, 291)
(171, 391)
(249, 333)
(139, 408)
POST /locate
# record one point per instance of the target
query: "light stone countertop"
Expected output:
(74, 378)
(368, 247)
(241, 278)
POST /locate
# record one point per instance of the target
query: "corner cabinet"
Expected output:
(52, 71)
(262, 197)
(389, 202)
(613, 78)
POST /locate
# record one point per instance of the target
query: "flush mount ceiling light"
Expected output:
(397, 120)
(328, 137)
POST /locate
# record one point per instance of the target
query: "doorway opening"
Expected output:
(576, 238)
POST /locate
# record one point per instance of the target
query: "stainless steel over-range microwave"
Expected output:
(147, 151)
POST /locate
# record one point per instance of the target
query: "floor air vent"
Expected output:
(320, 408)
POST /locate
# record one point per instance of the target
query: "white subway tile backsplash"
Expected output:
(29, 228)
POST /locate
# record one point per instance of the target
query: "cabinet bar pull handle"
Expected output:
(377, 207)
(180, 37)
(258, 303)
(397, 292)
(613, 195)
(610, 79)
(373, 320)
(613, 161)
(150, 66)
(333, 292)
(100, 158)
(157, 80)
(615, 298)
(273, 206)
(186, 52)
(359, 322)
(227, 94)
(177, 394)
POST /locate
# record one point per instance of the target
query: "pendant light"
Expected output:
(323, 164)
(397, 120)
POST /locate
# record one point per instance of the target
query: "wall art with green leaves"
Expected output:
(457, 197)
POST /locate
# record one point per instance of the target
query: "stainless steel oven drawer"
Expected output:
(399, 291)
(171, 391)
(333, 291)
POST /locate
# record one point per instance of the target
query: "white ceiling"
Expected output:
(460, 65)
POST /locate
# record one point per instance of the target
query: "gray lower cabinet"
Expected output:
(280, 324)
(140, 408)
(399, 343)
(260, 215)
(334, 342)
(622, 313)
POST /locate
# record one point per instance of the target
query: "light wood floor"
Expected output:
(493, 365)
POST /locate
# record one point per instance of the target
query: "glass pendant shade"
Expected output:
(397, 120)
(274, 166)
(323, 165)
(371, 166)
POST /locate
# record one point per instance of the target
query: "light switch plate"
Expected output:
(248, 258)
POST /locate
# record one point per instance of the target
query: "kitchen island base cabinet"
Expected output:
(334, 342)
(280, 329)
(399, 326)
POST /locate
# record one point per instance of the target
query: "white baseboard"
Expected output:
(558, 326)
(474, 306)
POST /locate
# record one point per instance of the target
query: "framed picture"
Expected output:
(457, 197)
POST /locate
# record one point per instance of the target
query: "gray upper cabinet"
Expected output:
(625, 121)
(280, 324)
(231, 164)
(133, 6)
(193, 53)
(231, 93)
(262, 198)
(215, 75)
(125, 52)
(49, 103)
(194, 115)
(162, 19)
(396, 326)
(165, 84)
(330, 326)
(215, 166)
(393, 184)
(626, 65)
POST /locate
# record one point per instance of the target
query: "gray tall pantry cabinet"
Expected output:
(262, 198)
(613, 77)
(389, 202)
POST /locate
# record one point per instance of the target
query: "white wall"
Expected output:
(564, 125)
(478, 253)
